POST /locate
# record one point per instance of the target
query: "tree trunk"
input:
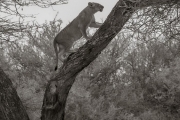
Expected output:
(76, 62)
(11, 107)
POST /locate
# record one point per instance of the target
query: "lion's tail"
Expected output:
(56, 52)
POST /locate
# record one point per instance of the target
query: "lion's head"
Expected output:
(96, 6)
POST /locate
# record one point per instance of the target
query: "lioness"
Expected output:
(76, 29)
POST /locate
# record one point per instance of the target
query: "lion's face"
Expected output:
(96, 6)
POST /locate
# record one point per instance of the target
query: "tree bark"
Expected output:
(11, 107)
(76, 62)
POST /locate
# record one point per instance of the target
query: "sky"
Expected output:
(67, 12)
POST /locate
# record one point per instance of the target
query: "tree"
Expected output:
(76, 62)
(11, 106)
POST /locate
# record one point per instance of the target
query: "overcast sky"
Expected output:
(67, 12)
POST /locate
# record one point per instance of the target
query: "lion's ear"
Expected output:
(90, 4)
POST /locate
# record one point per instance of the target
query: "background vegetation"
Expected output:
(135, 78)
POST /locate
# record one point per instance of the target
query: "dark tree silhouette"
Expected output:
(11, 107)
(76, 62)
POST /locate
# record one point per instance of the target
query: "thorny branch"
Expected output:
(12, 21)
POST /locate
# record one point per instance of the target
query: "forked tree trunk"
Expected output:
(11, 107)
(76, 62)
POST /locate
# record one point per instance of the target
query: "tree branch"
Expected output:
(11, 107)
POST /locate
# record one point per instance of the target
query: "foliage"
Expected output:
(29, 62)
(136, 77)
